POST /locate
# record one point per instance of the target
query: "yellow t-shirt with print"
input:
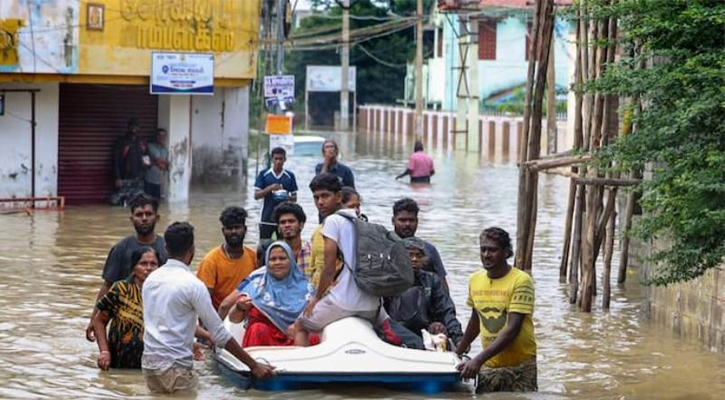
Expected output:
(493, 300)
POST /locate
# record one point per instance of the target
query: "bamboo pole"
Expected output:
(593, 202)
(624, 258)
(539, 165)
(573, 187)
(523, 212)
(551, 133)
(575, 265)
(608, 251)
(528, 180)
(567, 231)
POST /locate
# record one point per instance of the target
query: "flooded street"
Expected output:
(51, 264)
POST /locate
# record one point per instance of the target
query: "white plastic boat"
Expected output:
(349, 353)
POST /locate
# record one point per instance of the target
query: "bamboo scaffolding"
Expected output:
(528, 180)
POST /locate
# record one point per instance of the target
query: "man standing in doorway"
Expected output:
(174, 300)
(226, 266)
(275, 185)
(502, 299)
(420, 166)
(118, 266)
(159, 159)
(405, 223)
(330, 164)
(129, 168)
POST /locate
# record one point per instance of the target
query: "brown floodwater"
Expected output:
(51, 265)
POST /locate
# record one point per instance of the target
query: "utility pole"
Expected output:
(345, 62)
(419, 70)
(280, 35)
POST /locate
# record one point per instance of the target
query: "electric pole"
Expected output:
(345, 62)
(419, 70)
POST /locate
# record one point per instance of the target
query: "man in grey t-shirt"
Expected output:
(159, 159)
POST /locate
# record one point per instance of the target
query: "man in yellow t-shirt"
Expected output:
(224, 267)
(502, 299)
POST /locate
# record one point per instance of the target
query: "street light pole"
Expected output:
(419, 70)
(345, 62)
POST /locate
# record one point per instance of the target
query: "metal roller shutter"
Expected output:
(91, 118)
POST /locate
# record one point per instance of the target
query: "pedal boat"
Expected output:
(350, 353)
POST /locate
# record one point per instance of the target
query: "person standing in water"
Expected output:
(502, 299)
(420, 165)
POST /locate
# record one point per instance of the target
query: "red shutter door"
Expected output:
(91, 118)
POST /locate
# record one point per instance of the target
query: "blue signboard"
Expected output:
(182, 73)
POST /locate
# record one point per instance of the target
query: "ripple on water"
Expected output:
(51, 265)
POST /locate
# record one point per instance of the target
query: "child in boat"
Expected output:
(122, 347)
(271, 299)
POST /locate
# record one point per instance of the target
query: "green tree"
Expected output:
(680, 128)
(376, 82)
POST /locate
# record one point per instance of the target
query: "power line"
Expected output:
(382, 62)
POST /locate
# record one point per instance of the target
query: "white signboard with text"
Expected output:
(182, 73)
(328, 78)
(287, 142)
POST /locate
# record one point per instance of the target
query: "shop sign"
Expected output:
(278, 125)
(182, 73)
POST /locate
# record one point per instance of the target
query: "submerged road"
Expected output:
(51, 264)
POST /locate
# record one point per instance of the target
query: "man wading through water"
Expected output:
(119, 265)
(502, 298)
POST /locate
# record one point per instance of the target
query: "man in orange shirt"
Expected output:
(224, 267)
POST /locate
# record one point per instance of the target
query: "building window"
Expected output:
(487, 39)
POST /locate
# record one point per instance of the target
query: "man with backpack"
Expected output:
(338, 293)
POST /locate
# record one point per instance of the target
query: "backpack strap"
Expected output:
(341, 256)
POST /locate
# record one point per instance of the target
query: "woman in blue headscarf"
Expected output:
(271, 298)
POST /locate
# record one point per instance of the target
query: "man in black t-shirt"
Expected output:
(144, 215)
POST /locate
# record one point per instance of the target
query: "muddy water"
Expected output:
(51, 264)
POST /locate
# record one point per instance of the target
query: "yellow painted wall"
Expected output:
(133, 29)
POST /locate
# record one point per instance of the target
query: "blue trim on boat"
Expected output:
(424, 383)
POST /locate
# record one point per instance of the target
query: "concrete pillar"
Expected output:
(175, 116)
(506, 139)
(491, 137)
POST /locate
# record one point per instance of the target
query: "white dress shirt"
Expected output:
(173, 301)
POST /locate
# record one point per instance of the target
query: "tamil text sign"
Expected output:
(182, 73)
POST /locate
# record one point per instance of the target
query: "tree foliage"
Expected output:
(376, 82)
(680, 127)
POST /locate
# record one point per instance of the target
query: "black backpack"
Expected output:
(383, 266)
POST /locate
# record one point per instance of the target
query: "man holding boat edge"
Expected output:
(502, 298)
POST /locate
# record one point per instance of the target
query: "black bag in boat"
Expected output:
(383, 266)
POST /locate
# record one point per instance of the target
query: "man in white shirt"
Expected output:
(174, 299)
(344, 299)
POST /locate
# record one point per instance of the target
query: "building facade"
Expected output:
(72, 74)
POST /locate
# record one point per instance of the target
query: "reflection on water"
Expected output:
(51, 265)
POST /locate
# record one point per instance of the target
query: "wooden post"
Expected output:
(608, 251)
(624, 258)
(491, 138)
(528, 180)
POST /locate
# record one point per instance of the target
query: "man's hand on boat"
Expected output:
(263, 371)
(469, 369)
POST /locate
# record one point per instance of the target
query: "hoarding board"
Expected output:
(279, 86)
(182, 73)
(328, 78)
